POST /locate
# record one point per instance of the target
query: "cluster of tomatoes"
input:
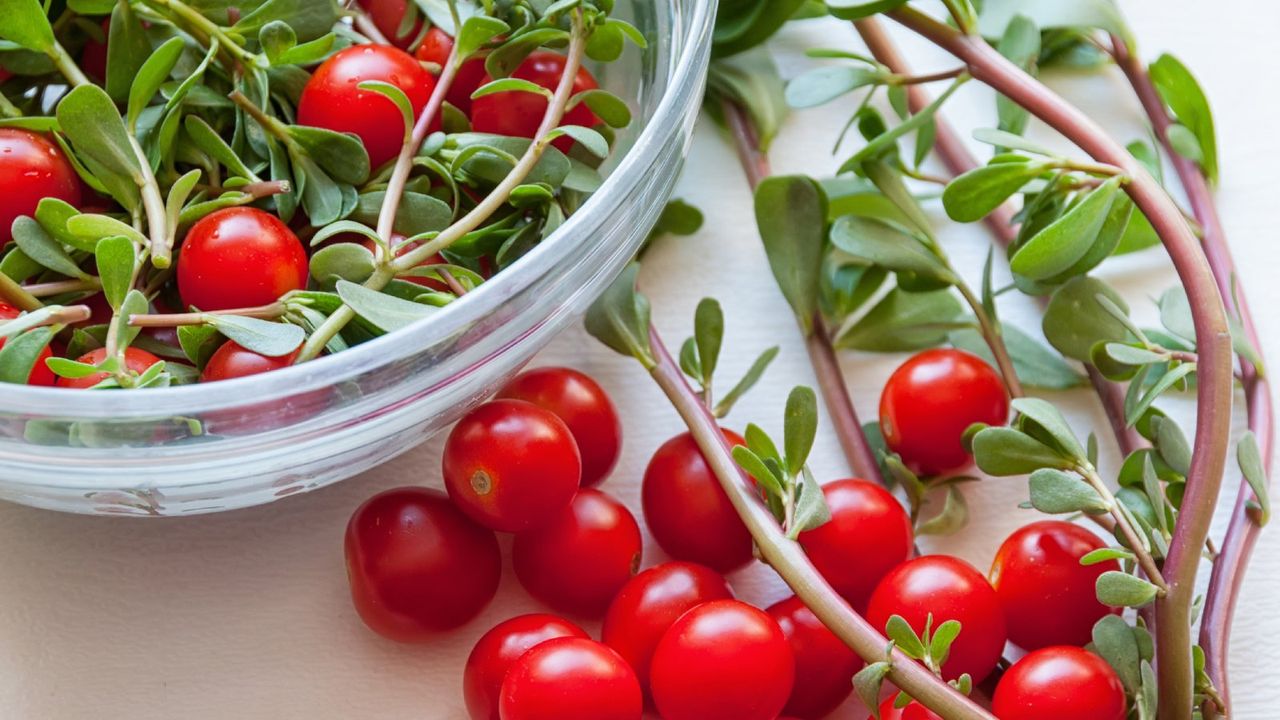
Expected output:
(674, 636)
(246, 257)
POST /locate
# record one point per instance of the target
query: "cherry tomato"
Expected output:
(93, 58)
(239, 257)
(40, 374)
(332, 100)
(1060, 683)
(687, 511)
(584, 406)
(511, 466)
(579, 560)
(1049, 598)
(233, 361)
(931, 400)
(388, 17)
(650, 602)
(949, 589)
(417, 566)
(435, 48)
(722, 660)
(913, 711)
(869, 534)
(824, 664)
(519, 114)
(134, 359)
(32, 167)
(571, 679)
(498, 650)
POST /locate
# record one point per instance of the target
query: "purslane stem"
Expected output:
(17, 295)
(1136, 545)
(1242, 531)
(211, 30)
(822, 355)
(1214, 373)
(788, 559)
(67, 65)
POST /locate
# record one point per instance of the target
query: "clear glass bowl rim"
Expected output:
(662, 128)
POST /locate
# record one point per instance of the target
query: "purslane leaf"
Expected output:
(1067, 240)
(1182, 93)
(791, 213)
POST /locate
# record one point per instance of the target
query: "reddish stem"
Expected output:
(1214, 373)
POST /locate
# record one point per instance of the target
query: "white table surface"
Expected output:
(246, 615)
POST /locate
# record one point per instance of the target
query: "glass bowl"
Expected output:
(227, 445)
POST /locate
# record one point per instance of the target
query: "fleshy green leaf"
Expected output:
(116, 258)
(867, 683)
(748, 381)
(708, 333)
(1065, 242)
(272, 339)
(20, 354)
(43, 249)
(1075, 321)
(753, 22)
(811, 507)
(1183, 94)
(1002, 451)
(1255, 473)
(24, 22)
(975, 194)
(822, 85)
(620, 318)
(386, 312)
(153, 73)
(856, 10)
(1056, 492)
(1102, 14)
(750, 81)
(605, 105)
(791, 212)
(800, 428)
(1114, 641)
(901, 633)
(1048, 417)
(93, 125)
(1119, 589)
(878, 243)
(1035, 364)
(905, 321)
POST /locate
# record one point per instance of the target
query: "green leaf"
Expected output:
(1074, 320)
(90, 227)
(1255, 473)
(153, 73)
(856, 10)
(310, 19)
(342, 156)
(352, 262)
(208, 141)
(975, 194)
(24, 22)
(904, 636)
(589, 139)
(510, 84)
(1119, 589)
(811, 507)
(749, 81)
(1020, 43)
(1132, 355)
(1048, 417)
(398, 98)
(748, 381)
(1183, 94)
(1106, 554)
(20, 354)
(53, 214)
(417, 214)
(881, 244)
(737, 32)
(135, 303)
(708, 333)
(1172, 444)
(116, 258)
(905, 321)
(128, 47)
(756, 467)
(1035, 364)
(43, 249)
(606, 43)
(940, 644)
(605, 105)
(1009, 141)
(868, 682)
(1064, 242)
(199, 342)
(1003, 451)
(476, 32)
(950, 520)
(620, 318)
(1135, 410)
(272, 339)
(1114, 642)
(888, 139)
(386, 312)
(824, 84)
(800, 427)
(1102, 14)
(93, 125)
(1185, 143)
(791, 212)
(1056, 492)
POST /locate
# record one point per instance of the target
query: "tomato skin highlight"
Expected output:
(417, 566)
(646, 607)
(571, 679)
(584, 407)
(931, 400)
(388, 15)
(32, 167)
(239, 257)
(519, 114)
(494, 654)
(435, 48)
(687, 511)
(40, 375)
(577, 562)
(869, 534)
(1060, 683)
(950, 589)
(722, 660)
(511, 466)
(824, 664)
(135, 360)
(913, 711)
(1048, 597)
(233, 361)
(332, 100)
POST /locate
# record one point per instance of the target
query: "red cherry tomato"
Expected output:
(388, 17)
(519, 114)
(578, 561)
(1060, 683)
(40, 374)
(913, 711)
(417, 566)
(687, 511)
(134, 359)
(824, 664)
(949, 589)
(650, 602)
(511, 466)
(584, 406)
(722, 660)
(332, 100)
(1049, 598)
(571, 679)
(931, 400)
(93, 58)
(498, 650)
(237, 258)
(233, 361)
(435, 48)
(32, 167)
(869, 534)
